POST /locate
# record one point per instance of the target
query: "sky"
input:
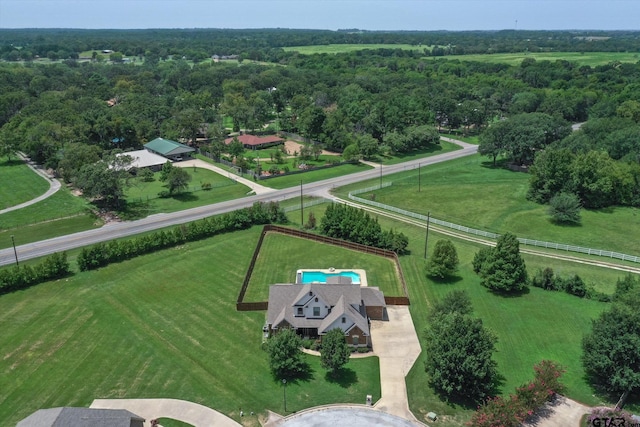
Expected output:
(423, 15)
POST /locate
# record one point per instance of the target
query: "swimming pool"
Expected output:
(321, 277)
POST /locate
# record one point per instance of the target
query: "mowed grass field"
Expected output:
(344, 48)
(143, 200)
(60, 214)
(281, 256)
(534, 326)
(20, 184)
(591, 59)
(470, 192)
(161, 325)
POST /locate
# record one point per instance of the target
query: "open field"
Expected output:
(470, 192)
(143, 197)
(343, 48)
(162, 325)
(281, 256)
(60, 214)
(537, 325)
(313, 175)
(433, 150)
(591, 59)
(25, 184)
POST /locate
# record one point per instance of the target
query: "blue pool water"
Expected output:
(320, 277)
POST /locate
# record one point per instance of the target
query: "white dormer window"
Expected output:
(316, 311)
(344, 320)
(299, 311)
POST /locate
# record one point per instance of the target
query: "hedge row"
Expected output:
(102, 254)
(20, 277)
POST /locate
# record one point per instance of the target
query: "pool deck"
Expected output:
(362, 273)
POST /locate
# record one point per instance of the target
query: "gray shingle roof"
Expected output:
(346, 301)
(81, 417)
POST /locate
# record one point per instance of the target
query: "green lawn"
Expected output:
(60, 214)
(143, 200)
(471, 139)
(470, 192)
(281, 256)
(313, 175)
(343, 48)
(161, 325)
(591, 59)
(21, 184)
(534, 326)
(531, 327)
(443, 147)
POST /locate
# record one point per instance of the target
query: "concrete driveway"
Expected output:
(257, 188)
(396, 343)
(181, 410)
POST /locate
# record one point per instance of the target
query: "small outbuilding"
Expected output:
(169, 149)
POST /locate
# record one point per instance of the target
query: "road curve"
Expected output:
(153, 222)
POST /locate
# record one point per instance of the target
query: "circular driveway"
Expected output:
(345, 417)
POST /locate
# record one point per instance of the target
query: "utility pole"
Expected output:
(418, 177)
(14, 249)
(380, 173)
(301, 209)
(426, 239)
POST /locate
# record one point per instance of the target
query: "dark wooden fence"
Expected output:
(262, 305)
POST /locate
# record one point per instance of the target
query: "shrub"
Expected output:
(205, 186)
(564, 208)
(102, 254)
(55, 266)
(164, 194)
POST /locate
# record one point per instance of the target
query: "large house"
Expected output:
(316, 308)
(170, 149)
(252, 142)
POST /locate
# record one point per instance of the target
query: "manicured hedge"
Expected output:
(53, 267)
(103, 254)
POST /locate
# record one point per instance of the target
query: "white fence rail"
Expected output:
(468, 230)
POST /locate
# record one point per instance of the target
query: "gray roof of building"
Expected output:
(346, 300)
(144, 158)
(372, 297)
(79, 417)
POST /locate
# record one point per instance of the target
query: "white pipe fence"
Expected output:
(468, 230)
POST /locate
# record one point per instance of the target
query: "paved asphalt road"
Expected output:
(153, 222)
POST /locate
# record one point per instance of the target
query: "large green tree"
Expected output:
(502, 268)
(443, 261)
(334, 353)
(611, 357)
(459, 352)
(105, 180)
(178, 180)
(610, 351)
(285, 357)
